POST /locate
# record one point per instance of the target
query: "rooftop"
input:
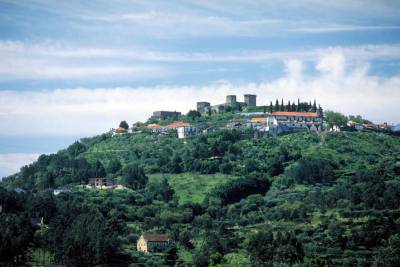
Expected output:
(178, 124)
(258, 120)
(295, 114)
(156, 237)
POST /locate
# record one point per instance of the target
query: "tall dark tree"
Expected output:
(124, 124)
(166, 190)
(114, 166)
(270, 107)
(193, 114)
(282, 105)
(98, 170)
(314, 108)
(277, 108)
(133, 176)
(289, 106)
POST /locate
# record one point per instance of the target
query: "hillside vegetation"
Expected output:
(225, 198)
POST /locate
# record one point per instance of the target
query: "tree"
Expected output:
(166, 190)
(114, 166)
(88, 241)
(282, 106)
(270, 107)
(99, 170)
(335, 119)
(176, 164)
(277, 105)
(314, 107)
(76, 148)
(260, 247)
(124, 124)
(388, 255)
(193, 114)
(133, 176)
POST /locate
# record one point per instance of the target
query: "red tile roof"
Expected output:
(178, 124)
(153, 126)
(258, 120)
(295, 114)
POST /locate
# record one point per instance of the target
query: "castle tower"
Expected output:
(201, 106)
(250, 100)
(231, 100)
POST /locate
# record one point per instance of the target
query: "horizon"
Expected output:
(76, 69)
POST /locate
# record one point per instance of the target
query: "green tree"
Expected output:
(114, 166)
(388, 255)
(99, 170)
(133, 176)
(193, 114)
(166, 190)
(260, 248)
(335, 119)
(277, 108)
(76, 148)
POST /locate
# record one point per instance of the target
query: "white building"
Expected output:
(283, 121)
(185, 131)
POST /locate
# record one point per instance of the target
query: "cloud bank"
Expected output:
(336, 86)
(54, 61)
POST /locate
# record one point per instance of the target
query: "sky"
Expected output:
(70, 69)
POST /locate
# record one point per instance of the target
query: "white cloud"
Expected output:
(54, 61)
(11, 163)
(88, 111)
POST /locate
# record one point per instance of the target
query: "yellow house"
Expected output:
(153, 242)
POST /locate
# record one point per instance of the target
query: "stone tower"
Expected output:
(201, 106)
(231, 100)
(250, 100)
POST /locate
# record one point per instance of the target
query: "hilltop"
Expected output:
(226, 198)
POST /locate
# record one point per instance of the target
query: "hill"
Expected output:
(225, 198)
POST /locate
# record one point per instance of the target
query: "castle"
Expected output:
(230, 104)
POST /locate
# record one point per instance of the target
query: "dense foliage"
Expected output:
(225, 198)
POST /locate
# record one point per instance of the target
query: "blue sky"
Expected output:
(76, 68)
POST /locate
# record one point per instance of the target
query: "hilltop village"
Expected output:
(281, 184)
(266, 120)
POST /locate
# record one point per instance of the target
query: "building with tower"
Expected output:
(250, 100)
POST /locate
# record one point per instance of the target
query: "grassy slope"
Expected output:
(191, 187)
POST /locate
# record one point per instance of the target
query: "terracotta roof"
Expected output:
(178, 124)
(153, 126)
(295, 114)
(156, 237)
(258, 120)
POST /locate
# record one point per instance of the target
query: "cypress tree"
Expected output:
(315, 106)
(270, 107)
(277, 105)
(289, 106)
(282, 105)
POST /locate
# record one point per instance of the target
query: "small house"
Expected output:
(153, 242)
(101, 183)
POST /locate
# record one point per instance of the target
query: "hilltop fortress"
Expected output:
(230, 104)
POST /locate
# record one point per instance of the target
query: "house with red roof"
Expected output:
(287, 121)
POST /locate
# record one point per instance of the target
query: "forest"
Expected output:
(225, 198)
